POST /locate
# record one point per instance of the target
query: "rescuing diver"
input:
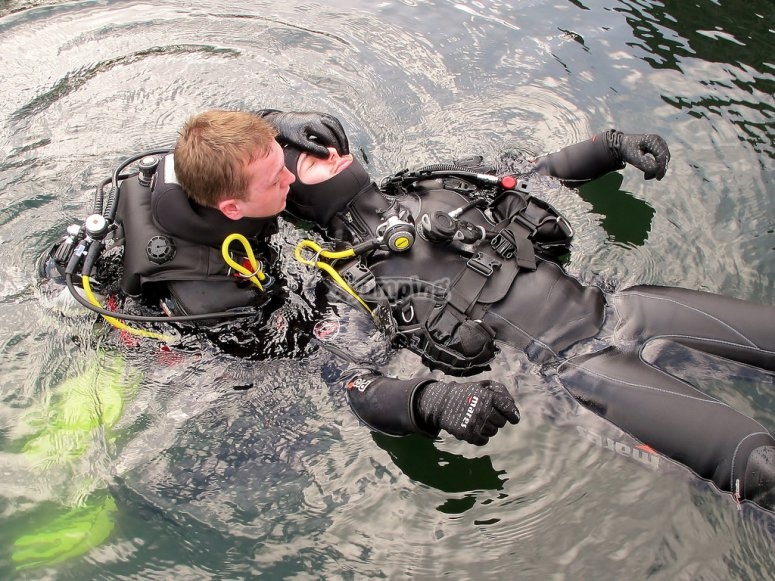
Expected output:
(448, 261)
(182, 234)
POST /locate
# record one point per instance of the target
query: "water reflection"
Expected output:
(625, 218)
(726, 50)
(421, 460)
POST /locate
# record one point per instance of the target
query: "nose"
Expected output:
(288, 177)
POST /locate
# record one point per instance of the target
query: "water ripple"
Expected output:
(233, 468)
(75, 80)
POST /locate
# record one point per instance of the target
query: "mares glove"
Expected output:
(469, 411)
(649, 152)
(607, 152)
(308, 130)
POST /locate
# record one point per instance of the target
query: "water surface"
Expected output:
(280, 480)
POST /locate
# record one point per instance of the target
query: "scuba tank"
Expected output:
(77, 255)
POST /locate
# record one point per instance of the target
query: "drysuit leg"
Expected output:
(723, 326)
(677, 420)
(669, 414)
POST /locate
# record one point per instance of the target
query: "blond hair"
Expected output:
(212, 150)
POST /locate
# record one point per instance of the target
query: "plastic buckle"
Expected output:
(482, 264)
(359, 277)
(503, 246)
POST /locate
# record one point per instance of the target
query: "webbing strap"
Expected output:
(512, 241)
(465, 290)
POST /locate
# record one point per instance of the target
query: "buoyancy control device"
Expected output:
(121, 223)
(472, 233)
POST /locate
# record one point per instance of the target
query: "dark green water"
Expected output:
(280, 480)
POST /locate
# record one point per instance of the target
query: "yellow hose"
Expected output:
(256, 275)
(117, 323)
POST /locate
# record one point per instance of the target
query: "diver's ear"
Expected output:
(231, 208)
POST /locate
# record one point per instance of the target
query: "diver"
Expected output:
(462, 257)
(189, 226)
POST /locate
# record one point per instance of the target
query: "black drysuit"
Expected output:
(608, 347)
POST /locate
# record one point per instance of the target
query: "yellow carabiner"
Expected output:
(333, 255)
(255, 276)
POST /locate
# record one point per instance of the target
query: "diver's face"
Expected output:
(268, 184)
(315, 170)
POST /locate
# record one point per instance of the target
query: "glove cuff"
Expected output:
(387, 405)
(613, 139)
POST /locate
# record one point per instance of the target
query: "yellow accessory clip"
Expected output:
(311, 246)
(256, 276)
(119, 324)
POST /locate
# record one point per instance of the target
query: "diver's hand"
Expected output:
(647, 152)
(469, 411)
(309, 131)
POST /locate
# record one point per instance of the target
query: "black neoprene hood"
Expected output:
(319, 203)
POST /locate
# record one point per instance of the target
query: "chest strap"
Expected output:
(512, 241)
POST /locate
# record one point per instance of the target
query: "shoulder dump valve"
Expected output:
(147, 167)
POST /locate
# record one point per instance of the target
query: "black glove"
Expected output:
(469, 411)
(308, 130)
(647, 152)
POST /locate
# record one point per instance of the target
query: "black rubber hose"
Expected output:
(152, 318)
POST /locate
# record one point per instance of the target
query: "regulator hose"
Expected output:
(444, 170)
(246, 312)
(311, 246)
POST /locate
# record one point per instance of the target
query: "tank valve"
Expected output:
(63, 250)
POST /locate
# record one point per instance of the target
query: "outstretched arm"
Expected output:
(473, 411)
(607, 152)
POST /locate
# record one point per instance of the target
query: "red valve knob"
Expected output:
(508, 182)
